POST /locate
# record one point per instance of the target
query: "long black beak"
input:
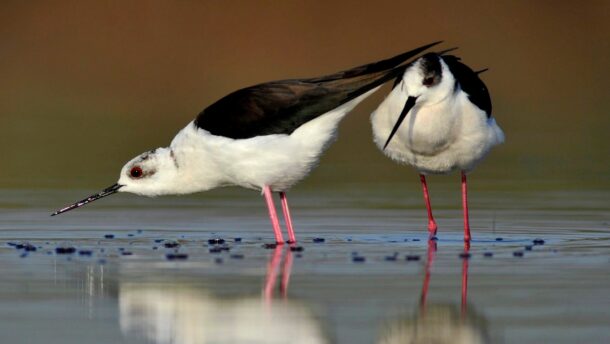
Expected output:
(106, 192)
(408, 105)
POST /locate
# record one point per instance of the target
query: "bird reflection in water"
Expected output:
(180, 314)
(439, 323)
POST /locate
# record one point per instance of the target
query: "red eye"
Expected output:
(136, 172)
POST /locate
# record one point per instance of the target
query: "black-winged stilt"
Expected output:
(446, 110)
(264, 137)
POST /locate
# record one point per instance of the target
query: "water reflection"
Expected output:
(180, 314)
(439, 323)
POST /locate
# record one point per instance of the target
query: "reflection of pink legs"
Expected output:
(431, 223)
(286, 270)
(465, 206)
(271, 277)
(428, 270)
(272, 271)
(273, 215)
(291, 237)
(465, 278)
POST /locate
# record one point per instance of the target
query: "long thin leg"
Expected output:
(273, 215)
(465, 206)
(291, 237)
(431, 223)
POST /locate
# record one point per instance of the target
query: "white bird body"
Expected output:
(206, 161)
(439, 136)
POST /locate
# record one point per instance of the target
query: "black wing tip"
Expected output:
(443, 52)
(481, 71)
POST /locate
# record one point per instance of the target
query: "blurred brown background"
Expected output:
(86, 85)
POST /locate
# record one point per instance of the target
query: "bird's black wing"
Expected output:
(470, 83)
(280, 107)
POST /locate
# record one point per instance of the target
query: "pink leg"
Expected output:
(273, 215)
(465, 206)
(291, 237)
(431, 223)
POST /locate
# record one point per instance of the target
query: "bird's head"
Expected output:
(428, 79)
(151, 173)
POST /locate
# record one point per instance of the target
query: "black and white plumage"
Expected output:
(264, 137)
(437, 119)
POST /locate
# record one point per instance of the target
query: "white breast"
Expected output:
(435, 138)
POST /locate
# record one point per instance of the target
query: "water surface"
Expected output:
(374, 279)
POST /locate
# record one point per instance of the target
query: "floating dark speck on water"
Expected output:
(413, 257)
(216, 241)
(176, 256)
(159, 240)
(102, 249)
(139, 231)
(127, 253)
(49, 253)
(171, 244)
(488, 254)
(129, 235)
(465, 255)
(528, 247)
(218, 260)
(65, 250)
(349, 239)
(155, 248)
(23, 255)
(296, 248)
(298, 255)
(269, 246)
(538, 241)
(237, 256)
(11, 244)
(319, 240)
(358, 259)
(392, 258)
(518, 254)
(354, 253)
(499, 239)
(406, 240)
(215, 250)
(29, 248)
(434, 238)
(237, 239)
(109, 236)
(121, 249)
(85, 252)
(415, 239)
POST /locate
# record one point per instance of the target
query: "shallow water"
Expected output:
(556, 292)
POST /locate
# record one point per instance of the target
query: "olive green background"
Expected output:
(86, 85)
